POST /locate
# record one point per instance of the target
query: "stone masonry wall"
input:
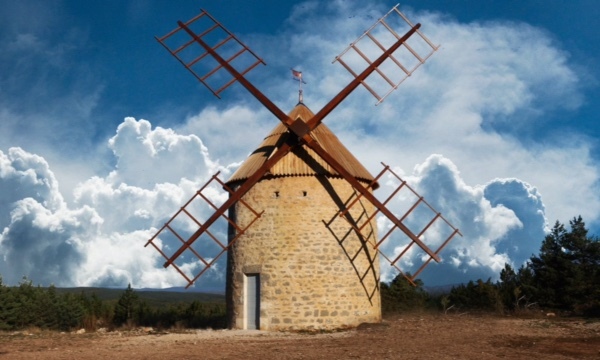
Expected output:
(312, 275)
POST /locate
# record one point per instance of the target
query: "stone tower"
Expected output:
(300, 266)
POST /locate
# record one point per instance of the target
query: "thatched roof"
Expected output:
(302, 161)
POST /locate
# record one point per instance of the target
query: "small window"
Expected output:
(276, 194)
(304, 193)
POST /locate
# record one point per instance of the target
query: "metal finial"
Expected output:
(297, 75)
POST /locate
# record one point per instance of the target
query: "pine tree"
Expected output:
(125, 308)
(552, 269)
(567, 270)
(527, 288)
(508, 287)
(400, 294)
(477, 295)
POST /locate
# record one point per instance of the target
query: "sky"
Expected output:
(104, 135)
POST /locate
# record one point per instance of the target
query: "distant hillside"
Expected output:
(440, 289)
(154, 297)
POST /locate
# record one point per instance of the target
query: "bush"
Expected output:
(402, 295)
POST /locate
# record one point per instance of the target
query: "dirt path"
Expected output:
(413, 336)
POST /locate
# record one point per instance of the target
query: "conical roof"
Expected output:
(302, 161)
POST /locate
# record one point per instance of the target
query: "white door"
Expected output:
(252, 301)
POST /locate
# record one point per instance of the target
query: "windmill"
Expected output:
(302, 242)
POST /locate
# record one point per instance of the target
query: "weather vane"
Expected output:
(297, 75)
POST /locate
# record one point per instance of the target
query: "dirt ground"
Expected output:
(411, 336)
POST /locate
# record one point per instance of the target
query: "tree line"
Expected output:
(27, 305)
(563, 277)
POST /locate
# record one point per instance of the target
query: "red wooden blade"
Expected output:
(298, 127)
(178, 227)
(316, 147)
(301, 130)
(316, 120)
(235, 196)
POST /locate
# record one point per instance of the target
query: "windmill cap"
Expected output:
(302, 161)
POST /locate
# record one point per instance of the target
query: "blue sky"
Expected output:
(104, 134)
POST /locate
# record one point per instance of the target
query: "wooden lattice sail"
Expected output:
(300, 211)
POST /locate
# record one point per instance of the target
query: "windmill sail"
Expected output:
(399, 65)
(297, 133)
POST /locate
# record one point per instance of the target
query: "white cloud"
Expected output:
(488, 85)
(501, 222)
(147, 156)
(98, 241)
(27, 176)
(41, 237)
(230, 133)
(478, 101)
(157, 171)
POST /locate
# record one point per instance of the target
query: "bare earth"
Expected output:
(410, 336)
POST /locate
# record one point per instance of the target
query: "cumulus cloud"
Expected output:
(27, 175)
(98, 240)
(501, 222)
(231, 133)
(147, 156)
(45, 245)
(41, 237)
(156, 172)
(477, 102)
